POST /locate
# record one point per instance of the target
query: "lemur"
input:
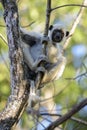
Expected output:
(55, 54)
(53, 60)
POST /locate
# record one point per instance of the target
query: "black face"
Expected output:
(57, 35)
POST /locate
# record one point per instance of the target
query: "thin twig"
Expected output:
(28, 25)
(66, 5)
(4, 61)
(1, 51)
(72, 118)
(79, 76)
(79, 120)
(2, 26)
(75, 23)
(5, 41)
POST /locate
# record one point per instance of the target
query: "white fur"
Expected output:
(56, 26)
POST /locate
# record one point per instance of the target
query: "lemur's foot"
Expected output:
(42, 58)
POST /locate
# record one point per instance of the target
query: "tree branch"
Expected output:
(19, 85)
(68, 115)
(48, 12)
(48, 9)
(75, 23)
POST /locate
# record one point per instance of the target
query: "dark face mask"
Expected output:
(57, 35)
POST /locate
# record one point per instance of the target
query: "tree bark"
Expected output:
(19, 82)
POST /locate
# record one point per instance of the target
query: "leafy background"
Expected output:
(66, 90)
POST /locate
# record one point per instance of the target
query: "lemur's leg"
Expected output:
(29, 59)
(54, 71)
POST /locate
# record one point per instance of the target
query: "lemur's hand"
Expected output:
(45, 39)
(42, 58)
(41, 69)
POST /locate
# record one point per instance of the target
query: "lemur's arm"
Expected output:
(29, 41)
(28, 57)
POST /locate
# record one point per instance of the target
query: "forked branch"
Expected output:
(68, 115)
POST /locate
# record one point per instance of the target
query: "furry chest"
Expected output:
(52, 54)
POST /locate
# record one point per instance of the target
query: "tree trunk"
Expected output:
(19, 84)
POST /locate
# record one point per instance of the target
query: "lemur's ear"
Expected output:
(67, 33)
(51, 26)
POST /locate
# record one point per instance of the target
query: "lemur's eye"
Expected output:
(57, 35)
